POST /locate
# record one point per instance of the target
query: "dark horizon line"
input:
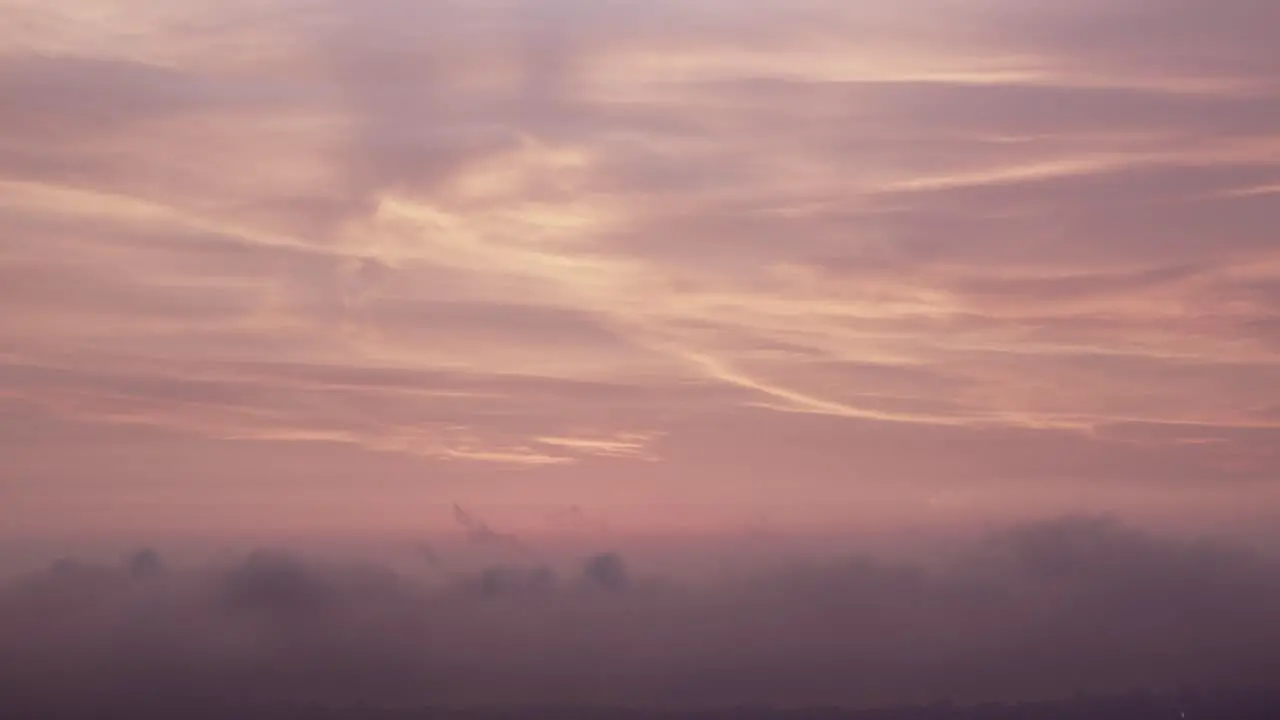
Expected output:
(1234, 704)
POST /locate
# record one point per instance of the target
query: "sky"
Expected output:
(668, 353)
(328, 268)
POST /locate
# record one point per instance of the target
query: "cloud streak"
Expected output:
(552, 237)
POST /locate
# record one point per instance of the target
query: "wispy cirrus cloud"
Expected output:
(555, 233)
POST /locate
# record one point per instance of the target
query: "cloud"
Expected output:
(608, 570)
(557, 236)
(1042, 610)
(480, 533)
